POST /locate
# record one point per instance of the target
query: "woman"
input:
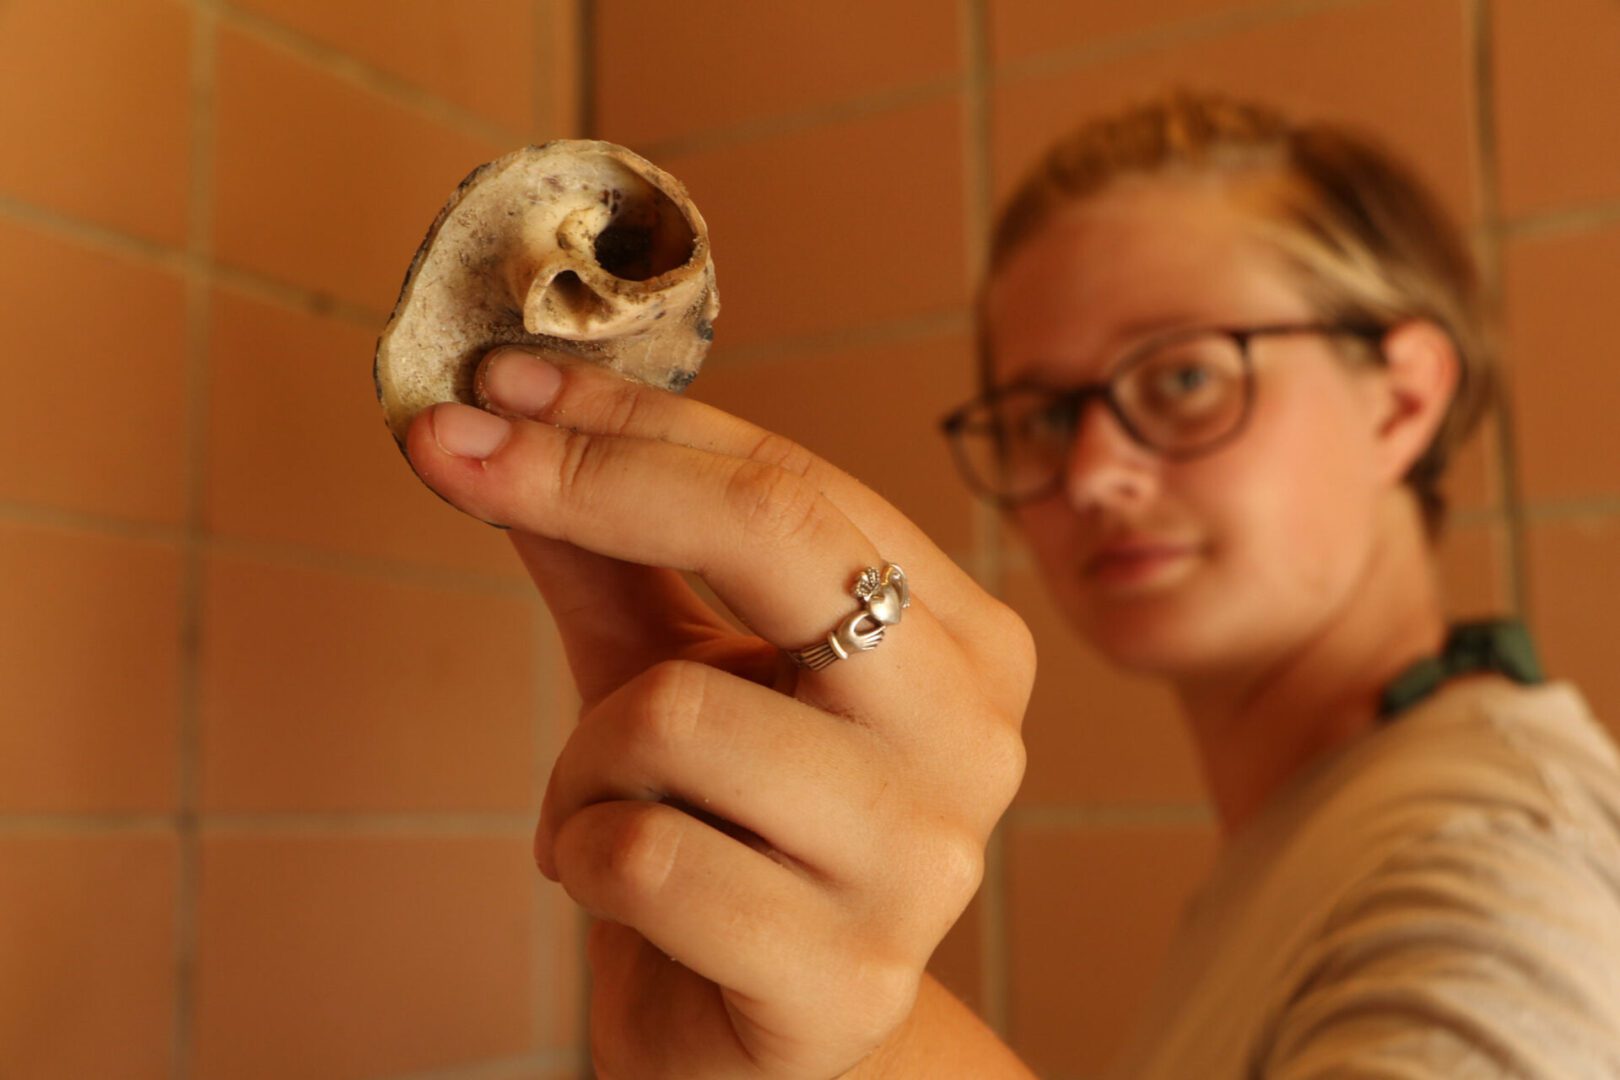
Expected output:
(1223, 361)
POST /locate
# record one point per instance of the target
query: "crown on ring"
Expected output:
(869, 583)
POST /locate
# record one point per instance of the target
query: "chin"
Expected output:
(1143, 643)
(1175, 635)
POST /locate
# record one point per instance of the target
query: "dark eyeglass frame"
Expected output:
(1073, 400)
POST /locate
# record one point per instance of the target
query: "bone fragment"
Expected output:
(576, 247)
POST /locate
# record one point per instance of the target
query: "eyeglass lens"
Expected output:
(1176, 397)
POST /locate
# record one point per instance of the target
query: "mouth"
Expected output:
(1140, 563)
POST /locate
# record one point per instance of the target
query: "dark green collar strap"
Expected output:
(1499, 645)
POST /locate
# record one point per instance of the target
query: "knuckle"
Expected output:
(785, 454)
(1020, 640)
(623, 409)
(638, 853)
(577, 460)
(773, 505)
(958, 863)
(1006, 760)
(881, 996)
(669, 703)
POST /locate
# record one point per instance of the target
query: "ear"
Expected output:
(1421, 370)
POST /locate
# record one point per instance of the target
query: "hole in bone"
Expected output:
(648, 235)
(570, 296)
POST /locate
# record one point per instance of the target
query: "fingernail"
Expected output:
(518, 382)
(468, 432)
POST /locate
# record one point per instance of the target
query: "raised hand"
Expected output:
(772, 852)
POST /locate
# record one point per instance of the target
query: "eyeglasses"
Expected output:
(1180, 395)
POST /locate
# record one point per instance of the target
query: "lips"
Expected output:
(1136, 560)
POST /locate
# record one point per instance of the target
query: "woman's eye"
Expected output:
(1184, 379)
(1036, 422)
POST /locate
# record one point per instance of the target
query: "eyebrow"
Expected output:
(1121, 342)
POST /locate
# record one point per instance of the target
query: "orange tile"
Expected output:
(1400, 68)
(90, 662)
(1023, 28)
(837, 226)
(298, 452)
(95, 101)
(1565, 384)
(1095, 734)
(665, 70)
(1473, 560)
(1090, 915)
(958, 963)
(323, 184)
(480, 57)
(327, 693)
(361, 955)
(558, 112)
(871, 411)
(1473, 480)
(95, 358)
(1557, 102)
(1574, 578)
(559, 975)
(87, 945)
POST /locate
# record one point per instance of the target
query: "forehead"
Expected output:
(1137, 259)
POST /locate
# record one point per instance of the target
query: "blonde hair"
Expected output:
(1371, 243)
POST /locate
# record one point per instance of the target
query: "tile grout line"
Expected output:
(1060, 62)
(312, 302)
(537, 972)
(588, 129)
(1082, 816)
(328, 822)
(995, 983)
(500, 1069)
(585, 44)
(545, 994)
(359, 73)
(422, 575)
(199, 246)
(881, 332)
(1178, 32)
(827, 114)
(542, 994)
(543, 44)
(1560, 221)
(1478, 19)
(182, 261)
(282, 554)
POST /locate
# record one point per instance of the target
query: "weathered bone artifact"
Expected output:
(577, 247)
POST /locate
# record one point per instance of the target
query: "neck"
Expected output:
(1255, 730)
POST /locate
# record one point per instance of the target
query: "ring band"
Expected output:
(883, 594)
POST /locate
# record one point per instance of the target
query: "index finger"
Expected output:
(590, 399)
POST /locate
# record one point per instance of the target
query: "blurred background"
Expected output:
(275, 721)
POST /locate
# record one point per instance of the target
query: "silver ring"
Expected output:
(883, 594)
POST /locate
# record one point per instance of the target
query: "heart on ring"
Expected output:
(885, 605)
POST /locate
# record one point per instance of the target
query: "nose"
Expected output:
(1106, 468)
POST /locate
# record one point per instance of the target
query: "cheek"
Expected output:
(1295, 505)
(1051, 532)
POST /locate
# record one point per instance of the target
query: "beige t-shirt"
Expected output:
(1440, 899)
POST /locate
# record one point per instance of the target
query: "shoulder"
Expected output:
(1487, 747)
(1479, 933)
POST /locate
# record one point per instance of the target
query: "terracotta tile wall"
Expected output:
(847, 157)
(274, 720)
